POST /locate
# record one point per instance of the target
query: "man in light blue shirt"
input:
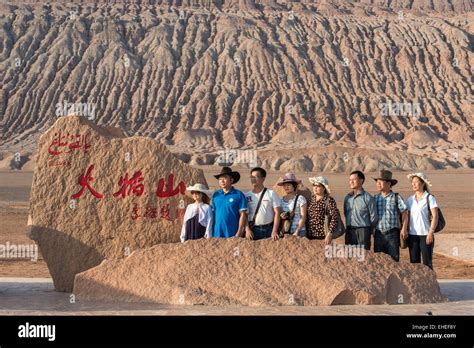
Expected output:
(229, 206)
(360, 212)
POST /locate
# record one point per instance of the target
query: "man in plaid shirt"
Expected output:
(388, 229)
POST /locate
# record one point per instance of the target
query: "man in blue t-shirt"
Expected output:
(229, 206)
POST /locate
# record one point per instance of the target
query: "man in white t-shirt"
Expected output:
(265, 223)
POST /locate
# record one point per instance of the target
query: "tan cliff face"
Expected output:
(309, 85)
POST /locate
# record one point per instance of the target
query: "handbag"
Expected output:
(285, 223)
(340, 229)
(441, 221)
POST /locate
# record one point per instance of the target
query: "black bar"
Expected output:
(260, 330)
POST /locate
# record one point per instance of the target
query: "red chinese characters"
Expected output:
(180, 212)
(134, 185)
(151, 212)
(165, 212)
(84, 182)
(135, 212)
(170, 191)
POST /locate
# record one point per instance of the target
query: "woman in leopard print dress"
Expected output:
(321, 204)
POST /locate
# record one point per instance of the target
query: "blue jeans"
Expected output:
(388, 242)
(262, 232)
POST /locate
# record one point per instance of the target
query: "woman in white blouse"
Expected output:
(421, 230)
(198, 217)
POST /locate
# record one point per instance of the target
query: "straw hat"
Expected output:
(422, 177)
(320, 180)
(200, 188)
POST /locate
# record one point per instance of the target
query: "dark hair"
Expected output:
(425, 187)
(292, 183)
(324, 187)
(261, 171)
(359, 174)
(204, 197)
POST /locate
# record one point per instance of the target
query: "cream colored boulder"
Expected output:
(97, 194)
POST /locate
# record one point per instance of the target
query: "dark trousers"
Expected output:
(388, 242)
(358, 236)
(262, 232)
(417, 245)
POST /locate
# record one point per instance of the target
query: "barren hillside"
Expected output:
(310, 85)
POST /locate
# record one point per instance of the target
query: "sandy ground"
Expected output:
(453, 249)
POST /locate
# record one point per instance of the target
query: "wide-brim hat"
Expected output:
(288, 178)
(200, 188)
(228, 171)
(386, 175)
(423, 178)
(320, 180)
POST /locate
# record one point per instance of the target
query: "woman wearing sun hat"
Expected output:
(320, 205)
(295, 212)
(421, 230)
(197, 218)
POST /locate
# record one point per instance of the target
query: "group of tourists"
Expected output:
(261, 213)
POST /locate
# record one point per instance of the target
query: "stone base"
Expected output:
(292, 271)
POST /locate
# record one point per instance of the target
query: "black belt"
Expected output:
(271, 223)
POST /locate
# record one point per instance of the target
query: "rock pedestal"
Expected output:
(290, 271)
(97, 194)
